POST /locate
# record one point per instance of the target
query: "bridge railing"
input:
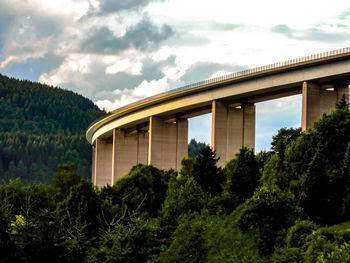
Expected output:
(262, 69)
(239, 74)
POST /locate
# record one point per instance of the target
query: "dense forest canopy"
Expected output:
(40, 127)
(291, 204)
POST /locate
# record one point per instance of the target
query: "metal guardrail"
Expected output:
(240, 74)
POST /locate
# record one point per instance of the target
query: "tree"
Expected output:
(204, 170)
(135, 190)
(81, 210)
(127, 239)
(184, 195)
(318, 194)
(242, 174)
(194, 147)
(65, 178)
(189, 244)
(284, 138)
(346, 175)
(269, 211)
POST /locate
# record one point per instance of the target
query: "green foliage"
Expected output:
(322, 189)
(189, 244)
(143, 189)
(222, 204)
(262, 157)
(135, 190)
(194, 148)
(317, 247)
(242, 174)
(273, 173)
(314, 165)
(287, 255)
(184, 195)
(204, 170)
(269, 211)
(297, 234)
(340, 254)
(82, 207)
(227, 243)
(65, 178)
(283, 139)
(127, 239)
(40, 109)
(41, 127)
(345, 173)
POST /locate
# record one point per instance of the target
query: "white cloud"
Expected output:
(125, 65)
(72, 66)
(127, 96)
(120, 102)
(150, 88)
(163, 53)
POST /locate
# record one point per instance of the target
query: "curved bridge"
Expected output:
(155, 130)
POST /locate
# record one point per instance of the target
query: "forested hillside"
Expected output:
(41, 127)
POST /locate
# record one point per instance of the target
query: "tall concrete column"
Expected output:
(142, 147)
(129, 150)
(318, 100)
(343, 90)
(219, 130)
(232, 129)
(93, 164)
(181, 141)
(103, 162)
(167, 143)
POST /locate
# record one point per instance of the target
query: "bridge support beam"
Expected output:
(129, 149)
(232, 128)
(102, 162)
(168, 143)
(318, 100)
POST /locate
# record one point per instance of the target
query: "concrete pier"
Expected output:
(129, 149)
(103, 162)
(167, 143)
(232, 129)
(319, 99)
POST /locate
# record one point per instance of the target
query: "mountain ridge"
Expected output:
(41, 127)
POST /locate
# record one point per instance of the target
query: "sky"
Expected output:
(115, 52)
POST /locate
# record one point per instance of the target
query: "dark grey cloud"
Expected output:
(102, 40)
(203, 70)
(153, 70)
(44, 26)
(313, 34)
(145, 33)
(143, 36)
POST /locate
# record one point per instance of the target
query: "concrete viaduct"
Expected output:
(155, 130)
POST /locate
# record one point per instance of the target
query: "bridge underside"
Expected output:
(162, 140)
